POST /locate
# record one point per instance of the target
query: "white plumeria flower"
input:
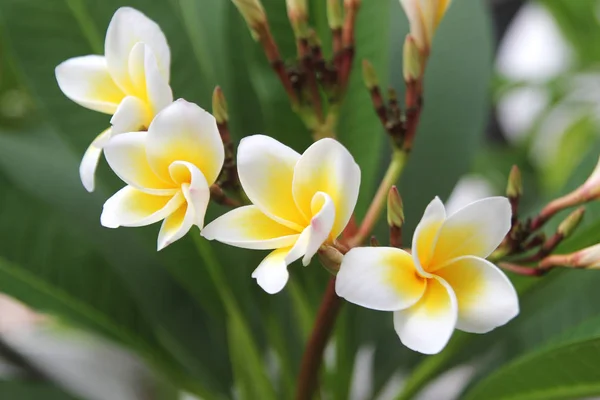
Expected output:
(130, 82)
(446, 283)
(424, 16)
(300, 202)
(168, 171)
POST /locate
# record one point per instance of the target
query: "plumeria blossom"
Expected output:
(299, 203)
(424, 16)
(130, 82)
(168, 171)
(446, 283)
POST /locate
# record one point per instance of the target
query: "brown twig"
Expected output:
(347, 53)
(220, 197)
(312, 358)
(414, 104)
(305, 55)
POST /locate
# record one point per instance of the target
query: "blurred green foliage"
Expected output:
(192, 312)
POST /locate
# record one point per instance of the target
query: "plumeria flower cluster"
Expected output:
(171, 153)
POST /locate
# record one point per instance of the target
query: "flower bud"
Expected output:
(254, 14)
(514, 189)
(331, 258)
(588, 257)
(424, 16)
(412, 60)
(219, 106)
(335, 16)
(298, 14)
(592, 184)
(568, 226)
(369, 75)
(395, 208)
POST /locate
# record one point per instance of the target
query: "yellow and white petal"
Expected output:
(149, 84)
(185, 132)
(486, 297)
(175, 226)
(328, 167)
(272, 274)
(379, 278)
(126, 155)
(442, 7)
(89, 162)
(86, 81)
(475, 230)
(131, 207)
(415, 20)
(128, 27)
(249, 228)
(426, 235)
(427, 326)
(194, 187)
(266, 171)
(132, 115)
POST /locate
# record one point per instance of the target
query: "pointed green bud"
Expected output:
(254, 14)
(298, 14)
(568, 226)
(514, 189)
(369, 75)
(412, 60)
(219, 106)
(331, 258)
(395, 208)
(335, 16)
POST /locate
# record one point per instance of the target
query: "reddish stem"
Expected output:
(312, 358)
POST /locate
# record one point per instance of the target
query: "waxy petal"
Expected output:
(427, 326)
(126, 155)
(415, 19)
(175, 226)
(475, 230)
(322, 222)
(185, 132)
(132, 115)
(426, 235)
(327, 167)
(266, 171)
(131, 207)
(486, 297)
(272, 274)
(128, 27)
(194, 187)
(86, 81)
(149, 84)
(89, 162)
(250, 228)
(379, 278)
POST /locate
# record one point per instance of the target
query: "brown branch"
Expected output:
(306, 59)
(312, 358)
(414, 104)
(220, 197)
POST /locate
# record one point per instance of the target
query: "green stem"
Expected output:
(392, 175)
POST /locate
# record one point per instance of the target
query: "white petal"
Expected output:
(131, 207)
(132, 115)
(175, 226)
(266, 170)
(379, 278)
(417, 30)
(426, 234)
(126, 155)
(89, 162)
(86, 81)
(327, 167)
(250, 228)
(476, 230)
(194, 187)
(150, 86)
(128, 27)
(486, 297)
(320, 226)
(272, 273)
(185, 132)
(427, 326)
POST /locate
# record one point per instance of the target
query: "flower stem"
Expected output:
(394, 170)
(312, 358)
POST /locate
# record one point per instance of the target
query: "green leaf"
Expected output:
(21, 390)
(565, 369)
